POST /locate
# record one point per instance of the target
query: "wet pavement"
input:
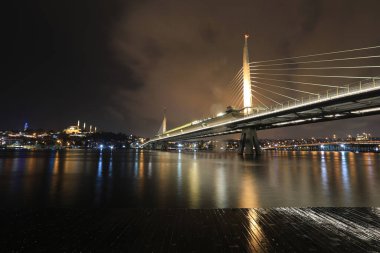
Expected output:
(190, 230)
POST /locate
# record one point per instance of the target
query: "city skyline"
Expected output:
(119, 64)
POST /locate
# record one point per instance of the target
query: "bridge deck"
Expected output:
(191, 230)
(357, 101)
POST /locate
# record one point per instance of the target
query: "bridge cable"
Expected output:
(238, 91)
(238, 99)
(312, 55)
(298, 82)
(238, 75)
(237, 85)
(318, 61)
(279, 94)
(320, 68)
(237, 103)
(265, 96)
(286, 88)
(259, 101)
(321, 76)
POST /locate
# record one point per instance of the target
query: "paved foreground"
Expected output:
(191, 230)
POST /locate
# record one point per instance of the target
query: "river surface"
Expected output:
(133, 178)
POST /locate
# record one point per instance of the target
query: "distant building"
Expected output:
(72, 130)
(363, 137)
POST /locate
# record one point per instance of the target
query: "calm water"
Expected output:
(80, 178)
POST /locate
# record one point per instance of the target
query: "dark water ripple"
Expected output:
(86, 178)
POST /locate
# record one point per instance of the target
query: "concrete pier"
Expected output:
(248, 140)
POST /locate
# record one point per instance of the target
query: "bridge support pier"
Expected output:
(161, 146)
(248, 140)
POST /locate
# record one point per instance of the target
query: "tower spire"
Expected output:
(164, 122)
(247, 93)
(163, 125)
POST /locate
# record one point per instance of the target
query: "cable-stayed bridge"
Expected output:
(290, 91)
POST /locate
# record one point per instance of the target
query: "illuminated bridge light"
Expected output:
(290, 122)
(367, 110)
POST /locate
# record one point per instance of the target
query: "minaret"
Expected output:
(90, 128)
(78, 124)
(84, 126)
(95, 130)
(247, 93)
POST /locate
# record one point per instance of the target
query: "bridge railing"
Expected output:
(326, 95)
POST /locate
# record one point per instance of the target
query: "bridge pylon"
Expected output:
(247, 92)
(248, 141)
(162, 129)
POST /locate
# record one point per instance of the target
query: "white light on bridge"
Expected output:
(367, 110)
(290, 122)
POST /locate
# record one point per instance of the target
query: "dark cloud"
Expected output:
(60, 63)
(208, 34)
(119, 63)
(311, 12)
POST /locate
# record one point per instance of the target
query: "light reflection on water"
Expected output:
(188, 179)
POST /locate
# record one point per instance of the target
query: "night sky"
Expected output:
(116, 64)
